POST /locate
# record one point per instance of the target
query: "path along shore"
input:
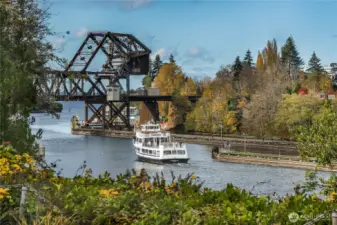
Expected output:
(268, 161)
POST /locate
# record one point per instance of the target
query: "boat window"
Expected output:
(150, 151)
(167, 152)
(163, 140)
(174, 152)
(181, 152)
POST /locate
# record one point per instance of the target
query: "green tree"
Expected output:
(147, 81)
(172, 60)
(148, 78)
(248, 59)
(333, 68)
(315, 65)
(290, 56)
(25, 52)
(237, 68)
(319, 139)
(156, 65)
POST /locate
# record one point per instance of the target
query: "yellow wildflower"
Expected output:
(114, 193)
(333, 193)
(17, 167)
(18, 157)
(147, 184)
(104, 192)
(3, 193)
(193, 177)
(109, 192)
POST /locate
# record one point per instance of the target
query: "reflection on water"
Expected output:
(116, 156)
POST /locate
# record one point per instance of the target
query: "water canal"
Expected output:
(116, 156)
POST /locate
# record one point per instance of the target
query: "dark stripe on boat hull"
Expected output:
(162, 161)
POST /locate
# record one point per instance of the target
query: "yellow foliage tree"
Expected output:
(189, 88)
(171, 79)
(259, 62)
(210, 112)
(294, 110)
(165, 82)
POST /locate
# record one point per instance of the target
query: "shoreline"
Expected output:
(249, 151)
(238, 144)
(253, 160)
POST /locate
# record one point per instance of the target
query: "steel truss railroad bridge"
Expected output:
(124, 56)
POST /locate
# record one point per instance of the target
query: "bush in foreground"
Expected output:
(135, 198)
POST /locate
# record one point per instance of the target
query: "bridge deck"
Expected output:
(132, 98)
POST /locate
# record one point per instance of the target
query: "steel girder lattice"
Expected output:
(124, 55)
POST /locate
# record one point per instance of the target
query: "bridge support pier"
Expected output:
(149, 110)
(113, 115)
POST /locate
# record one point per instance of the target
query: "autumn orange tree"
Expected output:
(172, 81)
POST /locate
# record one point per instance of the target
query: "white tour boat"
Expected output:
(155, 145)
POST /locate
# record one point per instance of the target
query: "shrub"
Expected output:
(137, 198)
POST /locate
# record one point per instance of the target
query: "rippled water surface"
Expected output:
(116, 156)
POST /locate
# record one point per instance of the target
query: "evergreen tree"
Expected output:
(156, 66)
(237, 68)
(172, 60)
(333, 68)
(259, 62)
(290, 56)
(248, 59)
(270, 54)
(147, 80)
(315, 65)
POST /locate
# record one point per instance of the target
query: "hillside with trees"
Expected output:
(262, 99)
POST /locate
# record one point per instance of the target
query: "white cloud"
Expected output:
(199, 53)
(83, 31)
(164, 53)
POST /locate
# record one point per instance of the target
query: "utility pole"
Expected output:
(244, 135)
(221, 130)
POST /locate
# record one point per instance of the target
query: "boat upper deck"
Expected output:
(151, 130)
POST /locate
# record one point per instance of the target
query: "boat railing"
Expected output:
(151, 135)
(164, 145)
(173, 145)
(152, 145)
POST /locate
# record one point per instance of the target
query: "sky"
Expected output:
(202, 35)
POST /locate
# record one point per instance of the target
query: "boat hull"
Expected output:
(161, 161)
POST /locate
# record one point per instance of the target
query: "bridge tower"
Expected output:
(124, 56)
